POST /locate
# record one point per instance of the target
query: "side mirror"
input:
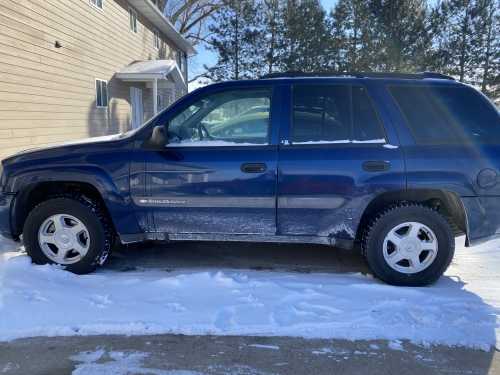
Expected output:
(158, 138)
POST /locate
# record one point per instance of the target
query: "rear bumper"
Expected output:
(5, 209)
(483, 218)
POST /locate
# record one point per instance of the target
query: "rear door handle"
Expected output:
(253, 167)
(376, 166)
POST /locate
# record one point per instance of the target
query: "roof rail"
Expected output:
(294, 74)
(437, 75)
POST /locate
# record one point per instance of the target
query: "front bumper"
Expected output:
(5, 214)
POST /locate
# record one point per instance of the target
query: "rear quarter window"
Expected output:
(447, 115)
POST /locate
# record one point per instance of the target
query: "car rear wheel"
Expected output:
(409, 245)
(73, 232)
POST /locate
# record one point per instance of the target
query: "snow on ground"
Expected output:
(118, 363)
(463, 308)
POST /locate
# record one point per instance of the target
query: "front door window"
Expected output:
(223, 119)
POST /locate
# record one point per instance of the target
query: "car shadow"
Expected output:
(303, 258)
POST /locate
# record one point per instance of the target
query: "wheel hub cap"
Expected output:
(410, 247)
(64, 239)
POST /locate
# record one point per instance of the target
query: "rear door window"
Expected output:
(334, 114)
(447, 115)
(366, 124)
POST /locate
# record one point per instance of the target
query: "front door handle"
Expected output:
(376, 166)
(253, 167)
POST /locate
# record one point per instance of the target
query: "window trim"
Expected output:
(132, 11)
(101, 8)
(356, 143)
(270, 89)
(107, 93)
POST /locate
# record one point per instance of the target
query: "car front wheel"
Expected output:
(73, 232)
(409, 245)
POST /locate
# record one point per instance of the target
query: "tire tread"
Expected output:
(371, 230)
(96, 209)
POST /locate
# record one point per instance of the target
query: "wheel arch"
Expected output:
(36, 186)
(446, 202)
(34, 194)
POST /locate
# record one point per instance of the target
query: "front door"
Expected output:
(335, 158)
(137, 107)
(217, 174)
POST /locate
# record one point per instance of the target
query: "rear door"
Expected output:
(336, 156)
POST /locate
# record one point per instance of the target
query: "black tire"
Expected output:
(91, 215)
(373, 240)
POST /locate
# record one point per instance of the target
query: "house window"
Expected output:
(101, 93)
(156, 39)
(97, 3)
(178, 58)
(181, 61)
(159, 101)
(133, 19)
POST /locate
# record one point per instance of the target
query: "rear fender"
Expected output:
(483, 219)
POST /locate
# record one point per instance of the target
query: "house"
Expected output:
(72, 69)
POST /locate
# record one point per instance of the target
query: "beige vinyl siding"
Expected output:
(47, 94)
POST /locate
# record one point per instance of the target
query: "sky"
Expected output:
(205, 57)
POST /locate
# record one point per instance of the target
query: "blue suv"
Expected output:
(400, 164)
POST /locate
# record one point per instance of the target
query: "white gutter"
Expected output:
(156, 17)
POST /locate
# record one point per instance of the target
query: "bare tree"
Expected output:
(190, 17)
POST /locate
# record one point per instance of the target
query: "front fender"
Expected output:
(113, 187)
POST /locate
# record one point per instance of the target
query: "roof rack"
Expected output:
(294, 74)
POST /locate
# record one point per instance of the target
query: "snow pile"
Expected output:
(461, 309)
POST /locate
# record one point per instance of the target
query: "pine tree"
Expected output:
(460, 38)
(457, 37)
(401, 34)
(235, 39)
(272, 31)
(439, 55)
(487, 45)
(305, 38)
(353, 39)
